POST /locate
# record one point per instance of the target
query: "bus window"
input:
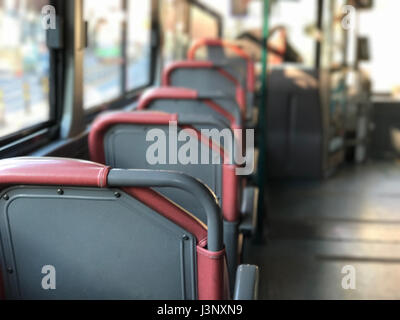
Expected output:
(202, 24)
(24, 66)
(175, 37)
(138, 44)
(286, 14)
(385, 49)
(103, 56)
(118, 56)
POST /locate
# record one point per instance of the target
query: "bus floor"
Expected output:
(318, 228)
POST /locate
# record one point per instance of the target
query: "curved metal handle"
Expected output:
(162, 178)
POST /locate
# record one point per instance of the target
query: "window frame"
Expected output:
(210, 12)
(128, 97)
(34, 137)
(27, 139)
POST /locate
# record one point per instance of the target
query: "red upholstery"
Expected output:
(52, 171)
(230, 197)
(181, 93)
(212, 275)
(165, 93)
(231, 46)
(191, 64)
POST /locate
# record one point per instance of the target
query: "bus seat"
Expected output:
(207, 78)
(193, 109)
(241, 65)
(105, 234)
(186, 102)
(127, 140)
(189, 102)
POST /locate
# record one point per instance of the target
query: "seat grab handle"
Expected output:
(163, 178)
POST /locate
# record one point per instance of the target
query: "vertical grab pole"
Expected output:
(261, 126)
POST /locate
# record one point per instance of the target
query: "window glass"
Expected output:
(24, 66)
(138, 44)
(118, 56)
(380, 25)
(334, 40)
(333, 49)
(175, 37)
(203, 24)
(295, 18)
(103, 56)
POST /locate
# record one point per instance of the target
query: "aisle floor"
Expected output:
(318, 228)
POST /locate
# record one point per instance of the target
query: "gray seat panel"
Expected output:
(126, 147)
(236, 66)
(193, 107)
(209, 83)
(203, 80)
(101, 246)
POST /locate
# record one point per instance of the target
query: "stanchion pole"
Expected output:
(261, 129)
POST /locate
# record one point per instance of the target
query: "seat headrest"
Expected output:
(52, 171)
(165, 93)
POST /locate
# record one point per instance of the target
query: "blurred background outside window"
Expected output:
(24, 66)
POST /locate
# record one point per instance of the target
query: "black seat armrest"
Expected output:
(248, 224)
(246, 285)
